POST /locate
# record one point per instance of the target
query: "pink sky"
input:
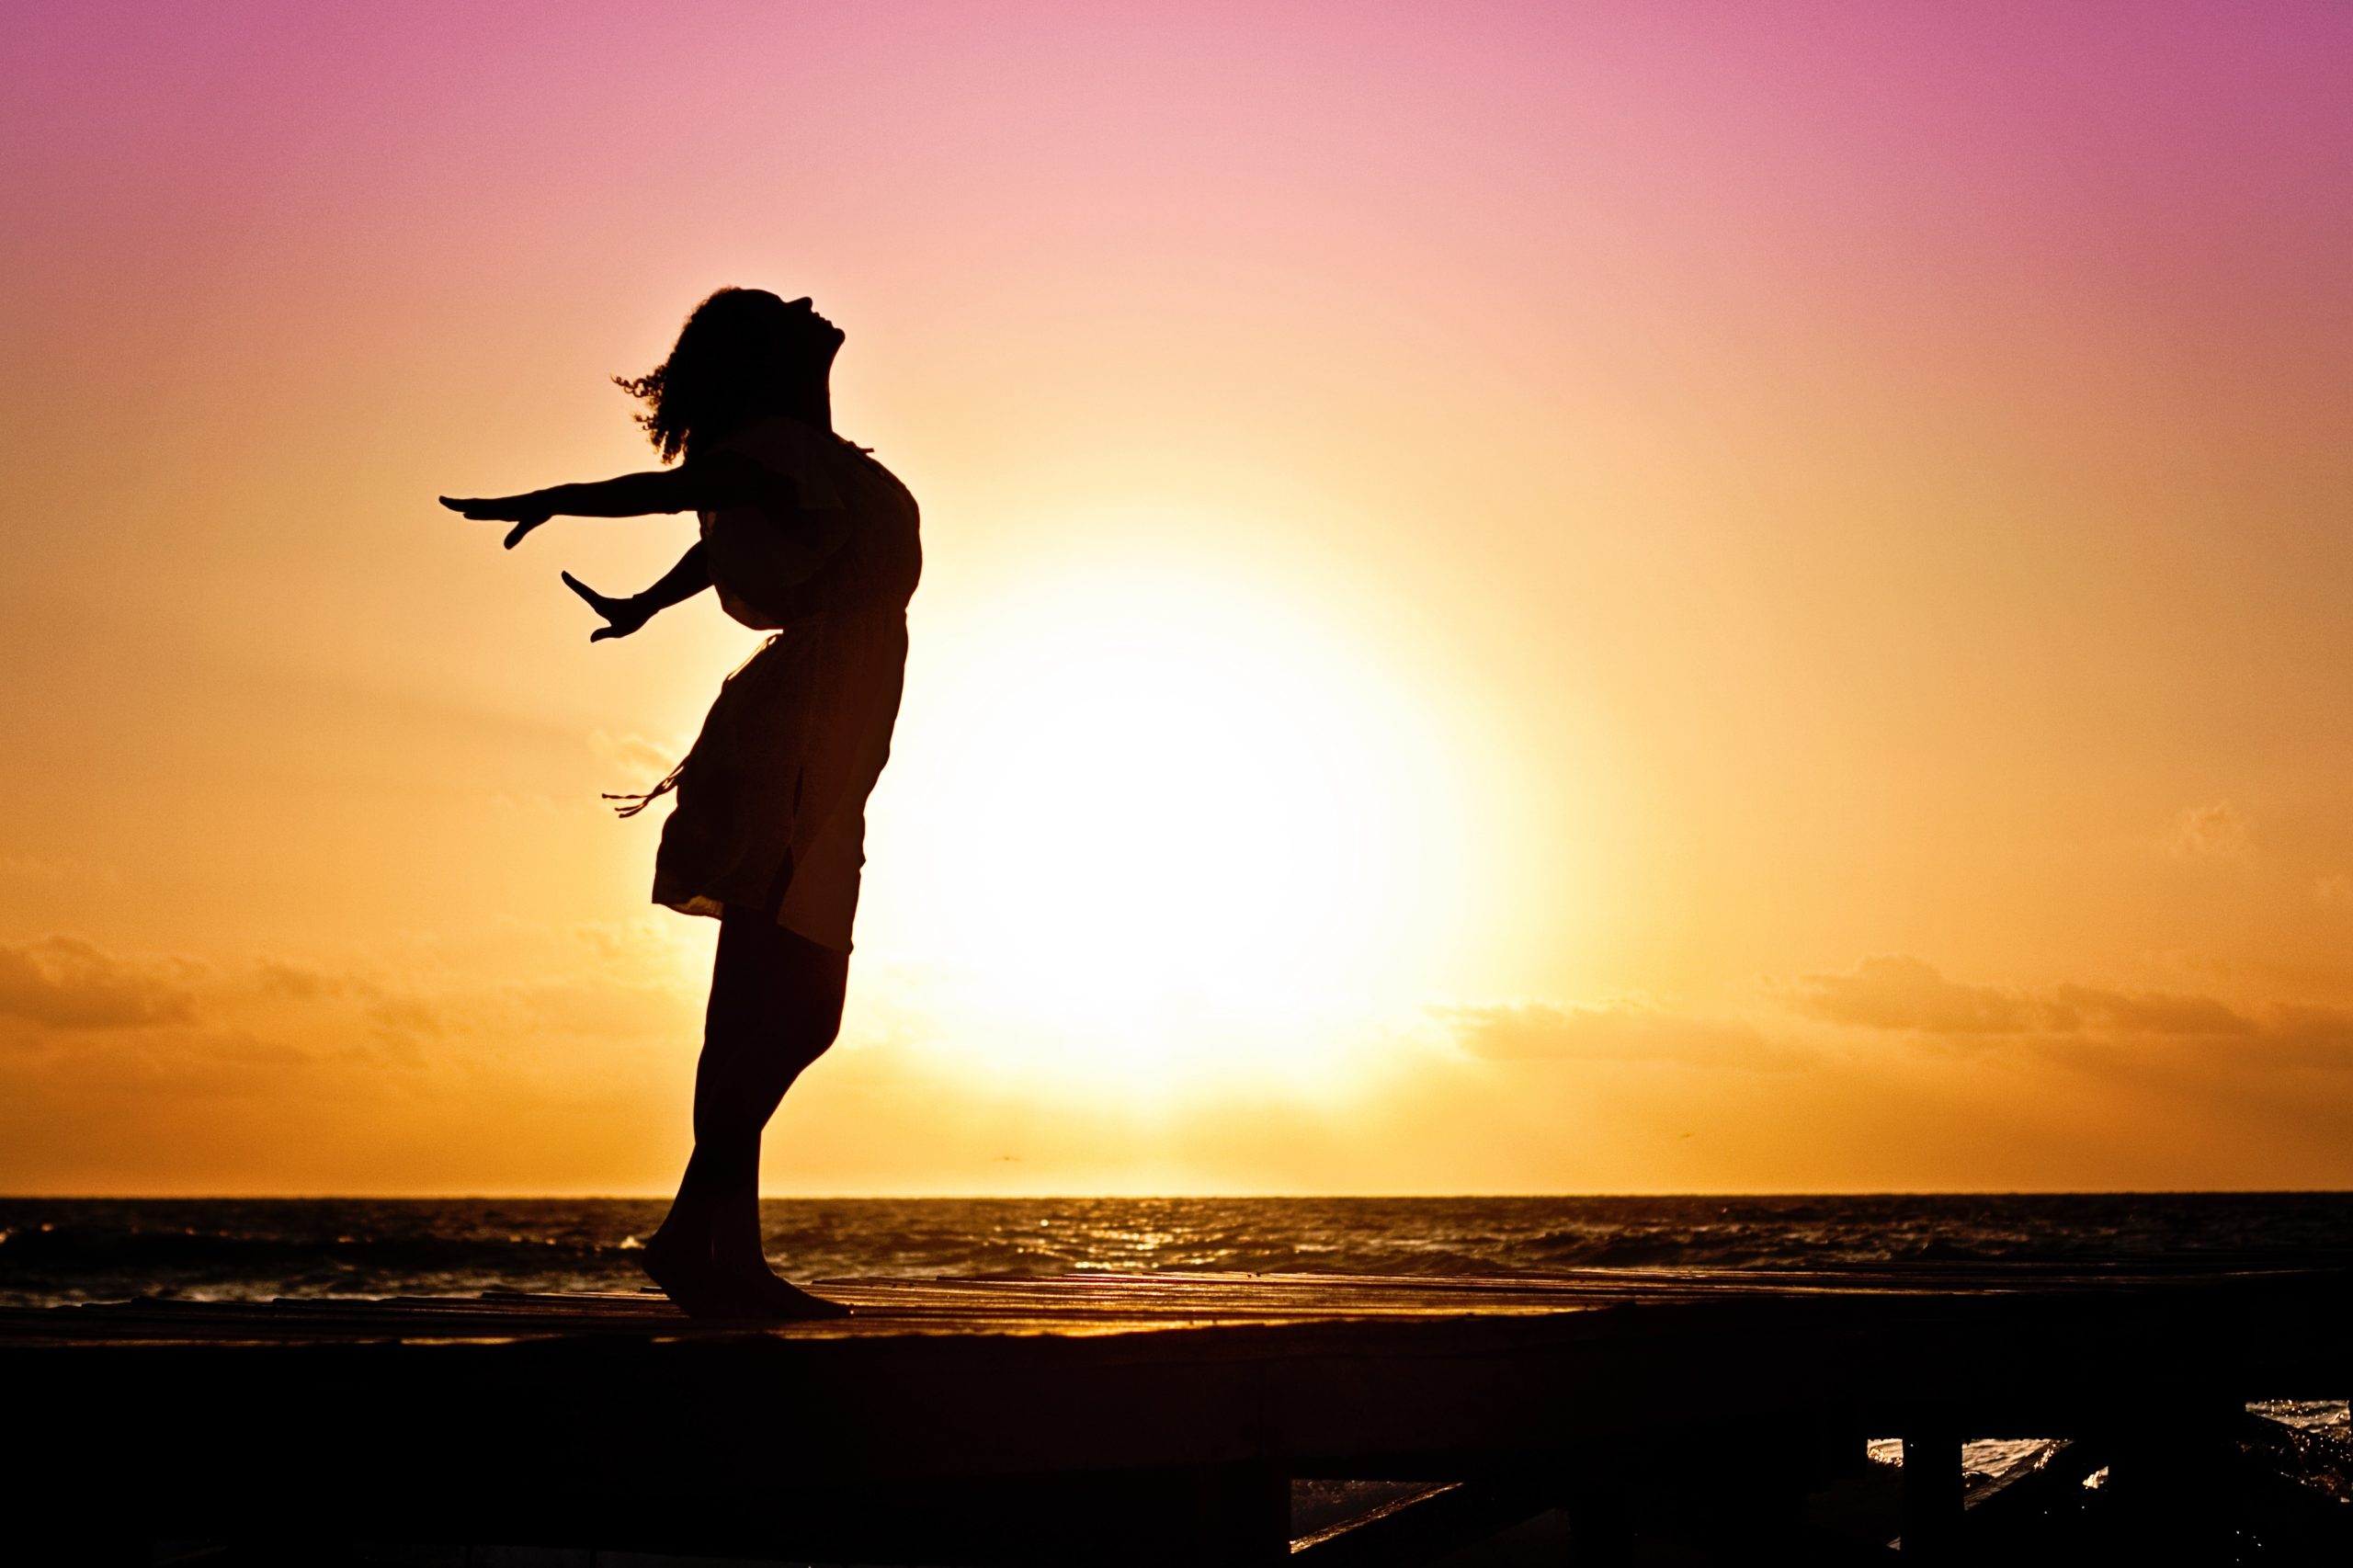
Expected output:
(1836, 513)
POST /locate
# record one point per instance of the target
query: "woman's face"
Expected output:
(808, 334)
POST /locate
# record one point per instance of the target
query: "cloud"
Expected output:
(1903, 992)
(617, 982)
(408, 1015)
(1897, 993)
(1546, 1031)
(648, 759)
(2215, 831)
(2146, 1012)
(67, 982)
(398, 1014)
(303, 982)
(2312, 1037)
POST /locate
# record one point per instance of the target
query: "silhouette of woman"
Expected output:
(806, 536)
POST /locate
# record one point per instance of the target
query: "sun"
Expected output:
(1162, 818)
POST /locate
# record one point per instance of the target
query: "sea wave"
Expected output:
(86, 1249)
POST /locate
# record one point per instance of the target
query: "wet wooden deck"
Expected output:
(1102, 1418)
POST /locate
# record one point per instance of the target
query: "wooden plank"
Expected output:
(2010, 1513)
(2293, 1489)
(613, 1410)
(1424, 1524)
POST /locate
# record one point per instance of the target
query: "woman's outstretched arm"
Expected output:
(724, 479)
(630, 495)
(690, 576)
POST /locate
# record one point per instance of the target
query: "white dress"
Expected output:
(771, 800)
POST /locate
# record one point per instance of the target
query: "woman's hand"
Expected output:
(526, 512)
(621, 616)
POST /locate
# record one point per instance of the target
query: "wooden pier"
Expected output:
(1103, 1418)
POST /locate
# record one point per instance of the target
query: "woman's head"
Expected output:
(743, 353)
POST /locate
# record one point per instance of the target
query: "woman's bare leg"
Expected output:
(776, 1005)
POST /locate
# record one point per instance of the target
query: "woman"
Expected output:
(806, 536)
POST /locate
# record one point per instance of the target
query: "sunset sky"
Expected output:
(1519, 598)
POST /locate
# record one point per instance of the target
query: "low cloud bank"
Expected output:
(1905, 993)
(67, 982)
(1527, 1031)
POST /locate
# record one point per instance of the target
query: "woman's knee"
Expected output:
(752, 1063)
(790, 1051)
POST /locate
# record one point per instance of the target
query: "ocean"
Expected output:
(59, 1250)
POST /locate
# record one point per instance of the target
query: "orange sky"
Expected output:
(1630, 597)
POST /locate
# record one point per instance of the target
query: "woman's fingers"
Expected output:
(610, 608)
(620, 626)
(498, 509)
(619, 615)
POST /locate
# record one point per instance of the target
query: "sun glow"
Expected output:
(1175, 827)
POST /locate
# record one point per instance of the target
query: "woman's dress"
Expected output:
(771, 800)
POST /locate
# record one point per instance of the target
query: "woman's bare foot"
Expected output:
(777, 1297)
(695, 1283)
(702, 1286)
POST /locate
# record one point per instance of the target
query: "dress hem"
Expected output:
(710, 908)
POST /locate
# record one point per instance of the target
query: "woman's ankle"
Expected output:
(673, 1239)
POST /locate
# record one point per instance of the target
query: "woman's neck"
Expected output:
(814, 408)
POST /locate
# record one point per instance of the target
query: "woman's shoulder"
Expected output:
(831, 470)
(783, 436)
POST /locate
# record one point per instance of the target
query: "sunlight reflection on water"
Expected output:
(63, 1250)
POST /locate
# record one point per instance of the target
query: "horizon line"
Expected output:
(1173, 1196)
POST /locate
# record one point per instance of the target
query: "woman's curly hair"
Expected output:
(732, 359)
